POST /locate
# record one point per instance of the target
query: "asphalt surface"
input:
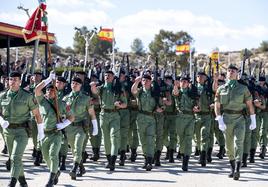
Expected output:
(169, 174)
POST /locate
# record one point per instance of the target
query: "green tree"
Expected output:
(137, 46)
(263, 46)
(79, 42)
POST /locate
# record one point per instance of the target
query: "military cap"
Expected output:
(62, 79)
(133, 76)
(232, 66)
(50, 86)
(76, 79)
(168, 77)
(146, 76)
(15, 74)
(110, 72)
(201, 73)
(184, 79)
(262, 79)
(122, 72)
(37, 73)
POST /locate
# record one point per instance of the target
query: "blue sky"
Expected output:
(228, 24)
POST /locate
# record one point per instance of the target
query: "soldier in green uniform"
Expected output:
(76, 132)
(203, 118)
(111, 99)
(169, 135)
(186, 104)
(231, 98)
(55, 117)
(16, 105)
(146, 122)
(61, 91)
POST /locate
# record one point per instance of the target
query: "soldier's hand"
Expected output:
(4, 123)
(159, 110)
(196, 109)
(117, 103)
(253, 122)
(93, 84)
(257, 103)
(177, 83)
(41, 133)
(222, 125)
(95, 127)
(52, 75)
(138, 79)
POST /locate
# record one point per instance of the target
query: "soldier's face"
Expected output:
(51, 94)
(146, 83)
(14, 83)
(232, 74)
(184, 84)
(108, 77)
(60, 85)
(76, 86)
(201, 79)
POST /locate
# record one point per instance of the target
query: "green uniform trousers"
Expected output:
(202, 131)
(169, 134)
(159, 131)
(76, 137)
(50, 149)
(16, 140)
(64, 145)
(133, 137)
(235, 135)
(218, 134)
(185, 130)
(110, 125)
(146, 130)
(264, 130)
(124, 128)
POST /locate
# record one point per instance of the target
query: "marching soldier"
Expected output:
(76, 132)
(51, 111)
(231, 98)
(16, 105)
(111, 99)
(186, 104)
(146, 122)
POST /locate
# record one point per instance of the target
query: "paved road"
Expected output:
(214, 175)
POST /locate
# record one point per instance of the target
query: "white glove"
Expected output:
(222, 125)
(95, 127)
(64, 124)
(253, 122)
(41, 133)
(3, 123)
(52, 76)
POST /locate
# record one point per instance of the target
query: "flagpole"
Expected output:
(113, 48)
(191, 70)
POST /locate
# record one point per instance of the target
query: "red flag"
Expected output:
(106, 34)
(33, 29)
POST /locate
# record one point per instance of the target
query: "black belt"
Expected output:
(51, 131)
(186, 112)
(17, 125)
(203, 113)
(80, 123)
(171, 113)
(146, 113)
(233, 112)
(109, 110)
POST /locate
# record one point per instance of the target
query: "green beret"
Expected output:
(76, 79)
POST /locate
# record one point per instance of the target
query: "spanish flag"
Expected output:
(184, 48)
(106, 34)
(214, 56)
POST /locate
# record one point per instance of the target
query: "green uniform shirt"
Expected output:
(145, 100)
(108, 97)
(16, 106)
(48, 113)
(233, 97)
(79, 104)
(184, 102)
(204, 99)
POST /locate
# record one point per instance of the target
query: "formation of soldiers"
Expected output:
(131, 109)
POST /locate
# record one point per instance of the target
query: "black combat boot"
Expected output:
(4, 151)
(82, 170)
(51, 179)
(8, 164)
(37, 160)
(22, 181)
(252, 155)
(96, 154)
(263, 151)
(62, 166)
(167, 153)
(133, 155)
(73, 171)
(185, 162)
(237, 170)
(109, 161)
(56, 180)
(197, 152)
(180, 155)
(171, 156)
(244, 160)
(157, 156)
(113, 159)
(34, 153)
(203, 160)
(149, 166)
(12, 182)
(232, 167)
(145, 163)
(84, 156)
(221, 152)
(122, 158)
(209, 155)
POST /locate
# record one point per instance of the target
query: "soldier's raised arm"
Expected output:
(134, 88)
